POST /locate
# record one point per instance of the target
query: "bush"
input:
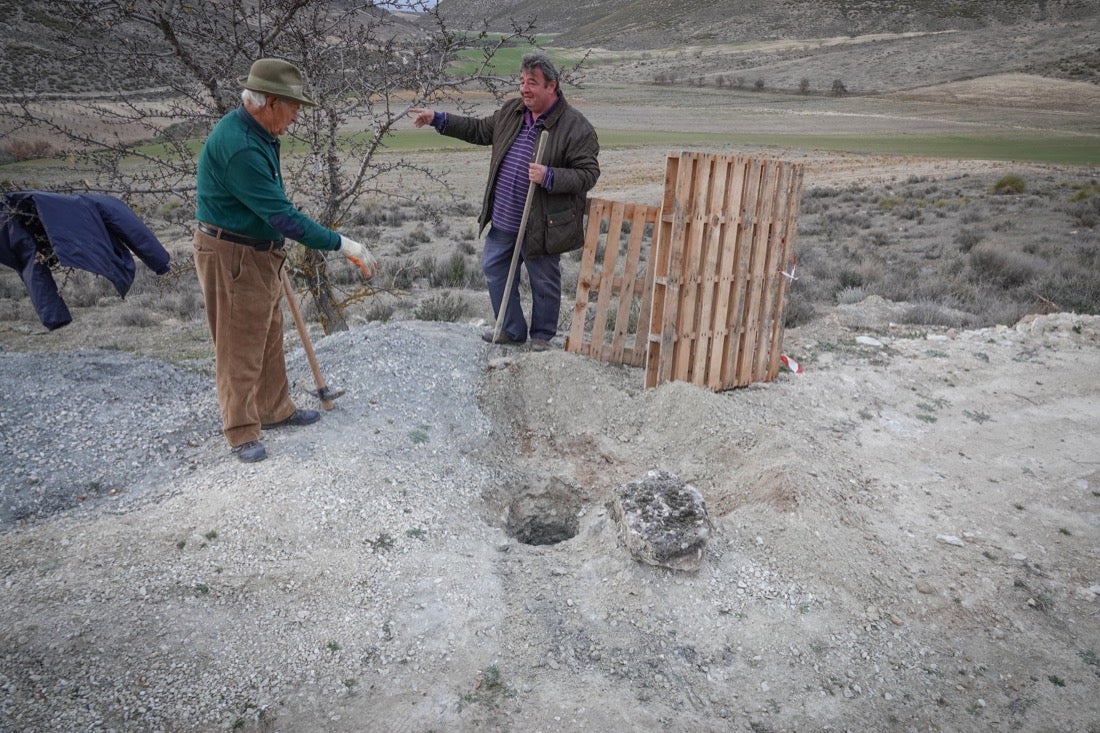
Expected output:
(1010, 184)
(934, 314)
(847, 296)
(799, 310)
(989, 265)
(1085, 213)
(400, 275)
(379, 311)
(443, 307)
(18, 150)
(135, 316)
(966, 239)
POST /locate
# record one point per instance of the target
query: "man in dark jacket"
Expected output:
(555, 222)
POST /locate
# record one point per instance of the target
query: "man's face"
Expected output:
(538, 94)
(283, 113)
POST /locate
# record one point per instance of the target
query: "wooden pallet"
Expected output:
(692, 290)
(611, 315)
(725, 237)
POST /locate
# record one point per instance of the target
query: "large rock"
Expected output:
(663, 520)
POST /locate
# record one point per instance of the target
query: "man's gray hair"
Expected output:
(253, 98)
(538, 60)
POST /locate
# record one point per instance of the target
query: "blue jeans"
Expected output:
(544, 275)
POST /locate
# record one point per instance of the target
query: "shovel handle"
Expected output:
(307, 345)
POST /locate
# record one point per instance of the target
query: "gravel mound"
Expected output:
(95, 429)
(80, 427)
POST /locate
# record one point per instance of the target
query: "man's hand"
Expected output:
(358, 254)
(422, 116)
(536, 173)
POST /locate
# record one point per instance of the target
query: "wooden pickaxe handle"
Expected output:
(307, 345)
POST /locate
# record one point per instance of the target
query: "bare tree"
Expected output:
(167, 72)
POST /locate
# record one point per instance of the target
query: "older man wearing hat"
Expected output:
(244, 218)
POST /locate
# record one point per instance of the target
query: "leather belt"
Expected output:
(262, 245)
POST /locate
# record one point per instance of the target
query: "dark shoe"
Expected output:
(297, 419)
(503, 338)
(250, 452)
(540, 345)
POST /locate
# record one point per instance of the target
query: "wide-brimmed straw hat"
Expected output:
(278, 77)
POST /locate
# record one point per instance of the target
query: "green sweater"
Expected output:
(240, 186)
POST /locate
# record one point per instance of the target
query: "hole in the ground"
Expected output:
(545, 516)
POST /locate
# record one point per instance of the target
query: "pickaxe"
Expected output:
(324, 393)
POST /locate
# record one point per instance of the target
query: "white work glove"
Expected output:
(358, 254)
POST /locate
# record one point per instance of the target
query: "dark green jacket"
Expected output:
(555, 223)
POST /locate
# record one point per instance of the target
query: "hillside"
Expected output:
(642, 24)
(44, 49)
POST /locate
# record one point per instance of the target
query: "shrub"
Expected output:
(414, 239)
(878, 238)
(799, 310)
(400, 275)
(443, 307)
(1001, 268)
(451, 271)
(379, 311)
(934, 314)
(967, 238)
(135, 316)
(185, 303)
(838, 88)
(1086, 212)
(847, 296)
(17, 150)
(1010, 184)
(848, 278)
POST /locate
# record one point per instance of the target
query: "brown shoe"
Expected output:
(540, 345)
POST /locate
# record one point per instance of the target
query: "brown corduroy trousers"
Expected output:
(243, 290)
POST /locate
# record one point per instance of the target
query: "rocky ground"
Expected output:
(905, 536)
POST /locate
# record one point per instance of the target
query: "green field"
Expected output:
(1049, 148)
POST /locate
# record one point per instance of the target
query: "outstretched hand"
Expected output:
(359, 255)
(422, 115)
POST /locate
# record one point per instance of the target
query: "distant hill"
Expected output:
(641, 24)
(46, 50)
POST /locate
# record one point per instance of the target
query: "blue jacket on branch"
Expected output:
(98, 233)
